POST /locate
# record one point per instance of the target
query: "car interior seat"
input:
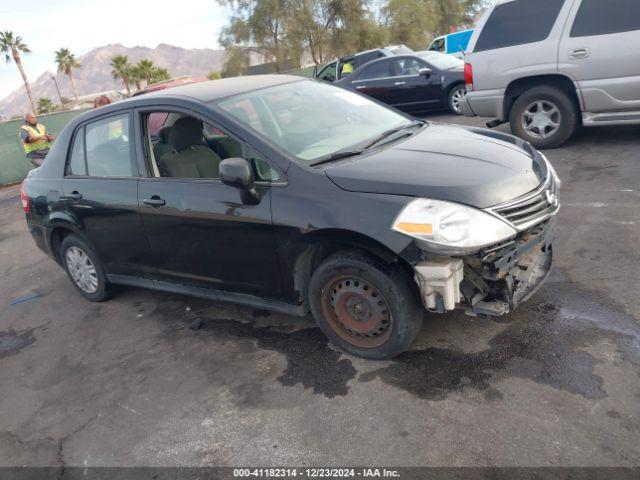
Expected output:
(188, 157)
(162, 146)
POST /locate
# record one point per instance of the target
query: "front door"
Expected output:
(599, 50)
(100, 189)
(200, 231)
(409, 89)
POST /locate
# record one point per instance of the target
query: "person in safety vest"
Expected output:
(347, 69)
(35, 139)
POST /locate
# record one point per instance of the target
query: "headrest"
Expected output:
(163, 134)
(186, 132)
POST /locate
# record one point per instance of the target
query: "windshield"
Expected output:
(441, 61)
(312, 120)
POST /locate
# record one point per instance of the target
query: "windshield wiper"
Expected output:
(337, 156)
(354, 152)
(388, 133)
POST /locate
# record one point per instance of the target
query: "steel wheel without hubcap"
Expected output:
(457, 97)
(541, 119)
(82, 270)
(357, 312)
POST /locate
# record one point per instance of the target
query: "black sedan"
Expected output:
(418, 82)
(295, 195)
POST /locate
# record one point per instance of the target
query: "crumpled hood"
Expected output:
(474, 166)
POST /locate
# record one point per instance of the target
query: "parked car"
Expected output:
(341, 67)
(417, 82)
(575, 65)
(295, 195)
(453, 44)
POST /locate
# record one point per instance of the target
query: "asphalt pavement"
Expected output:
(151, 378)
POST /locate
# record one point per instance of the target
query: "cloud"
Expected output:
(82, 25)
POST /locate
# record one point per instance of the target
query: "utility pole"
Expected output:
(58, 90)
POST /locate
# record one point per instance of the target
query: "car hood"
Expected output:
(474, 166)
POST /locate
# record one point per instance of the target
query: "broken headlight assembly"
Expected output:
(450, 228)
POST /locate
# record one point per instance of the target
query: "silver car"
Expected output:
(548, 66)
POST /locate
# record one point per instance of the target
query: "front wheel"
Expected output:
(544, 116)
(457, 95)
(84, 269)
(364, 307)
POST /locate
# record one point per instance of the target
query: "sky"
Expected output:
(81, 25)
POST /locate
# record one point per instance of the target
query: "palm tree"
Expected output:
(121, 69)
(66, 63)
(146, 68)
(46, 105)
(137, 75)
(12, 46)
(159, 75)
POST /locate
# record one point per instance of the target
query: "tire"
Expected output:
(456, 94)
(364, 307)
(557, 108)
(84, 269)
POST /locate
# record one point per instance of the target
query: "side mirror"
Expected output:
(426, 72)
(237, 173)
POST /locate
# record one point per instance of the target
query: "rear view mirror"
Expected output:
(426, 72)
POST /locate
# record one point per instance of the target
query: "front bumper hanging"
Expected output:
(492, 282)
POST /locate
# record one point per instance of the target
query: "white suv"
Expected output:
(547, 66)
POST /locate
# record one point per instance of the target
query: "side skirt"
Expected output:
(210, 294)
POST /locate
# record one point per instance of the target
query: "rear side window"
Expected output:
(77, 164)
(107, 147)
(598, 17)
(519, 22)
(378, 70)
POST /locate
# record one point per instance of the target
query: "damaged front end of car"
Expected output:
(494, 279)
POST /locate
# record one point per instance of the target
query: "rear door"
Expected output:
(100, 189)
(600, 51)
(375, 81)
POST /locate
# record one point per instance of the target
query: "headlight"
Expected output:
(451, 228)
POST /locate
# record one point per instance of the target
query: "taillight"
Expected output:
(468, 76)
(24, 198)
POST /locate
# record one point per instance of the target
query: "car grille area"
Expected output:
(532, 208)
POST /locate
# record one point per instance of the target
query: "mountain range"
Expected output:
(95, 72)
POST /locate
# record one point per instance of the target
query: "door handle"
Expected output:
(579, 53)
(360, 87)
(397, 84)
(72, 196)
(154, 201)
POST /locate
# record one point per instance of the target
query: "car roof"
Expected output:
(203, 92)
(226, 87)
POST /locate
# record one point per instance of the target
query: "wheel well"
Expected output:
(452, 86)
(323, 244)
(58, 234)
(520, 86)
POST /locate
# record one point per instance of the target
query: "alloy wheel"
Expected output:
(82, 270)
(457, 97)
(541, 119)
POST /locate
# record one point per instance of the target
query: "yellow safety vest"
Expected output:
(38, 145)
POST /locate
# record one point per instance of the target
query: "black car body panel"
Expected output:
(455, 163)
(207, 240)
(412, 93)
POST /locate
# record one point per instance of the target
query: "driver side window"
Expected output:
(186, 147)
